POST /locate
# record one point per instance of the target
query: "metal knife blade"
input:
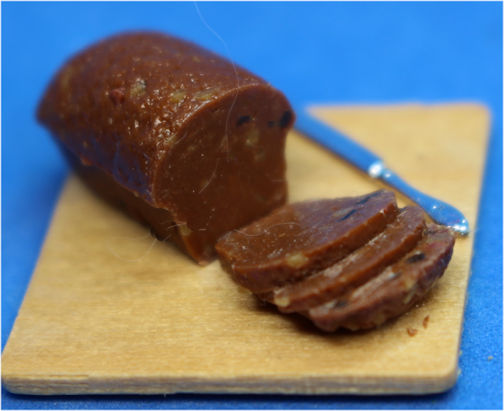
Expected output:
(364, 159)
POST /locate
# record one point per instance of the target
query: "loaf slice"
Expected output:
(297, 239)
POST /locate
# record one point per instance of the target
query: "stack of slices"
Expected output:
(351, 262)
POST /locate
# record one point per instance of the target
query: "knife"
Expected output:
(374, 166)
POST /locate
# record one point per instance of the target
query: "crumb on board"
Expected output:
(411, 331)
(490, 358)
(425, 321)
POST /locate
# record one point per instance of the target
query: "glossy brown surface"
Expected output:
(398, 238)
(343, 263)
(179, 127)
(298, 238)
(395, 290)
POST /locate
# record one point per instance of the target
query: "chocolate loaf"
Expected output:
(359, 261)
(190, 143)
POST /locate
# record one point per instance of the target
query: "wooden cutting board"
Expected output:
(111, 310)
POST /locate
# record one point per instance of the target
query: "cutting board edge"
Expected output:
(369, 385)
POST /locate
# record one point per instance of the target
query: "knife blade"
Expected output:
(367, 161)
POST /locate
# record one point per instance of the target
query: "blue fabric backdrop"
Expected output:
(315, 52)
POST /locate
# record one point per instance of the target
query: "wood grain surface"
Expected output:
(111, 310)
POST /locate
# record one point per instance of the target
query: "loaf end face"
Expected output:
(230, 167)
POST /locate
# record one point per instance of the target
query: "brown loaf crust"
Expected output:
(297, 239)
(399, 237)
(394, 291)
(177, 126)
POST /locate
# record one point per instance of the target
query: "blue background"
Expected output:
(318, 52)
